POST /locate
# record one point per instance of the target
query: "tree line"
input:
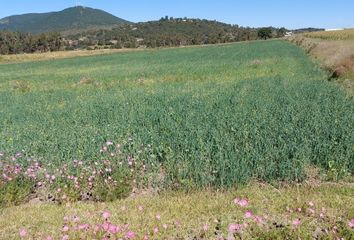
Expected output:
(167, 32)
(17, 42)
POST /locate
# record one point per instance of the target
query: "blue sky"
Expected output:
(254, 13)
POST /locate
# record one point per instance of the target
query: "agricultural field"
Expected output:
(335, 56)
(102, 128)
(347, 34)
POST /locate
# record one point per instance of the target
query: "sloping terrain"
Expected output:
(68, 19)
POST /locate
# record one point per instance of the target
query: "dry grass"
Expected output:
(58, 55)
(347, 34)
(195, 209)
(336, 56)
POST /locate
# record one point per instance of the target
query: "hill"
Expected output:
(69, 19)
(164, 33)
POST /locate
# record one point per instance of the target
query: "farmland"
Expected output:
(206, 116)
(208, 142)
(347, 34)
(333, 52)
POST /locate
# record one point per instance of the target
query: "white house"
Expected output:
(288, 34)
(334, 29)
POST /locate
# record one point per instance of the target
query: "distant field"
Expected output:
(332, 35)
(336, 56)
(17, 58)
(211, 116)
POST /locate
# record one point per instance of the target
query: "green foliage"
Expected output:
(15, 192)
(154, 34)
(68, 19)
(211, 118)
(265, 33)
(168, 32)
(165, 33)
(103, 192)
(16, 42)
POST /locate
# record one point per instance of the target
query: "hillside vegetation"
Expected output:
(75, 18)
(170, 32)
(154, 34)
(165, 33)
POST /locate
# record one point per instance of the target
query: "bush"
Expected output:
(15, 192)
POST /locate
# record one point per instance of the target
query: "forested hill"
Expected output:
(87, 28)
(75, 18)
(166, 32)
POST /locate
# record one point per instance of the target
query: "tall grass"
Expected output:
(211, 115)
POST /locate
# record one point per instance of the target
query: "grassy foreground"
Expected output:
(305, 211)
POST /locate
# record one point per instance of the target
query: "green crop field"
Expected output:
(196, 117)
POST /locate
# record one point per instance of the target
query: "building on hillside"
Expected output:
(334, 29)
(288, 34)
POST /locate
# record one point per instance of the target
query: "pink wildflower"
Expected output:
(97, 228)
(130, 235)
(351, 223)
(248, 214)
(106, 215)
(65, 228)
(296, 222)
(158, 217)
(165, 226)
(259, 220)
(233, 228)
(23, 232)
(113, 229)
(49, 238)
(65, 237)
(241, 202)
(311, 204)
(205, 227)
(156, 230)
(105, 226)
(141, 208)
(83, 226)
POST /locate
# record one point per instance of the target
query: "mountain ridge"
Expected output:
(78, 17)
